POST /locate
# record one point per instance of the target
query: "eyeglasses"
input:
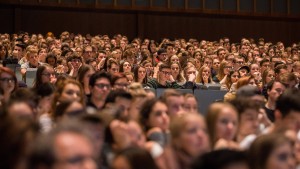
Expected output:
(126, 65)
(7, 80)
(102, 86)
(266, 65)
(166, 73)
(33, 56)
(49, 74)
(76, 60)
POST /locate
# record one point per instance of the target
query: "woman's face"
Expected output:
(42, 55)
(86, 77)
(271, 53)
(226, 124)
(7, 82)
(76, 63)
(234, 77)
(141, 73)
(281, 158)
(216, 64)
(197, 63)
(175, 70)
(174, 59)
(206, 72)
(148, 67)
(153, 48)
(2, 52)
(191, 105)
(126, 67)
(252, 82)
(208, 62)
(51, 61)
(71, 92)
(158, 116)
(227, 68)
(253, 69)
(48, 75)
(270, 76)
(197, 54)
(193, 138)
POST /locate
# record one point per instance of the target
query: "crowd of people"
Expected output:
(92, 103)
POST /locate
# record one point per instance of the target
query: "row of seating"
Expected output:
(29, 76)
(204, 97)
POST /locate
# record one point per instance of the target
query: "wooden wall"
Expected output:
(146, 23)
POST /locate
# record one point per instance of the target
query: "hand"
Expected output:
(257, 76)
(192, 77)
(70, 65)
(171, 78)
(53, 80)
(205, 79)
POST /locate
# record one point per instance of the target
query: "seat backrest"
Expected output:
(206, 97)
(30, 76)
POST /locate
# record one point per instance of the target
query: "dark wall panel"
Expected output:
(7, 19)
(42, 21)
(153, 25)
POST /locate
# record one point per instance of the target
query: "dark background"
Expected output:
(274, 20)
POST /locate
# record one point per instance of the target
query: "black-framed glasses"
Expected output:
(76, 60)
(9, 80)
(166, 73)
(102, 86)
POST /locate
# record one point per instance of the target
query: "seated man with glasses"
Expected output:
(100, 86)
(164, 79)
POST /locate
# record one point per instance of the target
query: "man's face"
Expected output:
(101, 89)
(175, 104)
(170, 50)
(222, 54)
(124, 104)
(114, 69)
(18, 52)
(163, 57)
(87, 53)
(276, 91)
(164, 74)
(33, 58)
(101, 56)
(72, 151)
